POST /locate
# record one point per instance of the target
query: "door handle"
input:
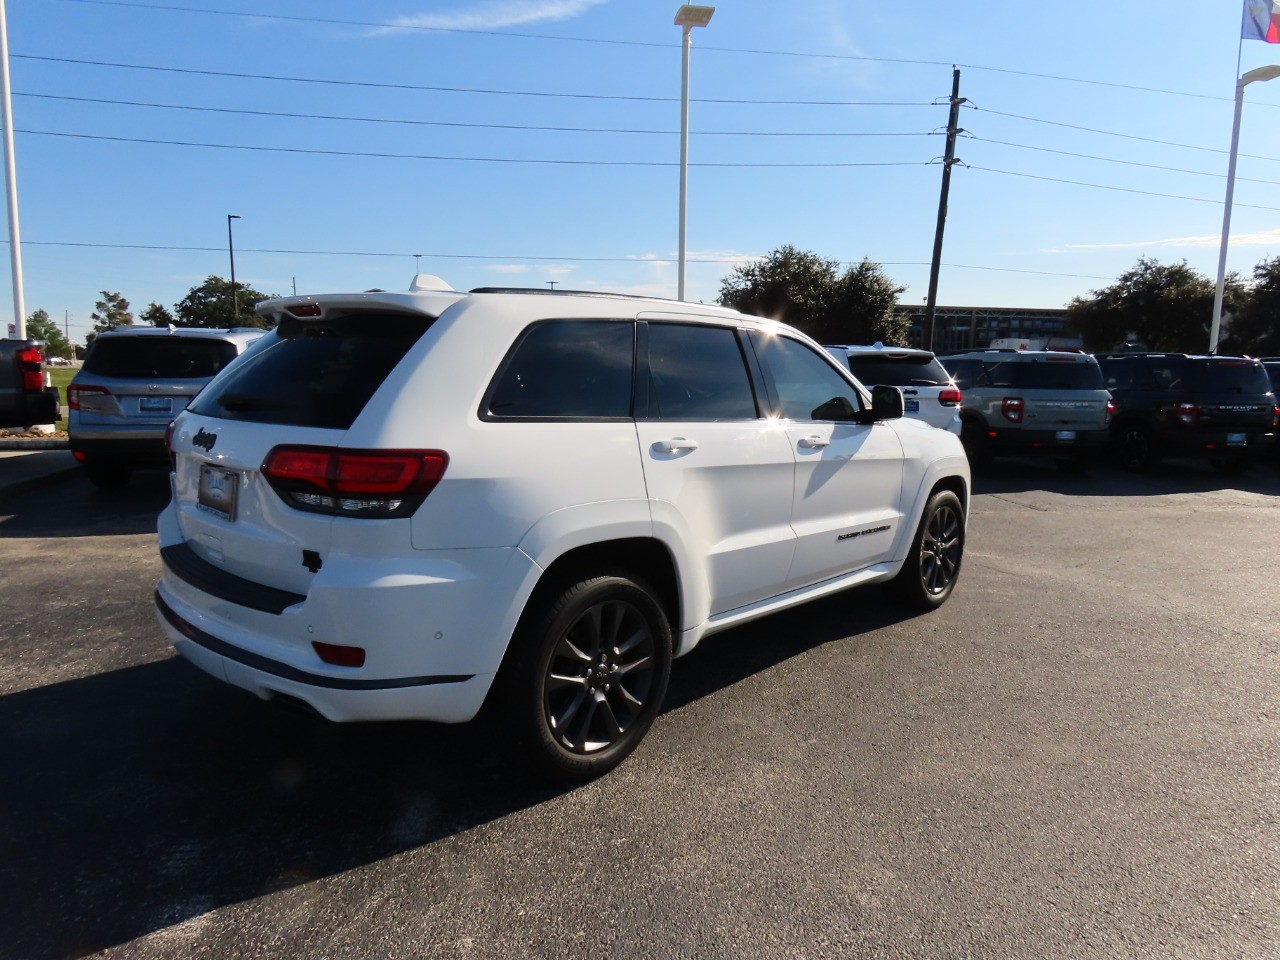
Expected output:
(813, 443)
(675, 445)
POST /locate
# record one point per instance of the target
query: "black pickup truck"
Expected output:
(24, 399)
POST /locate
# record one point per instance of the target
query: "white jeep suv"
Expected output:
(401, 506)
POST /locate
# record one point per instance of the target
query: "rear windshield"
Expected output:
(159, 358)
(899, 371)
(1046, 374)
(314, 373)
(1231, 376)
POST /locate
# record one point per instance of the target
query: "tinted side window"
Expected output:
(314, 373)
(802, 380)
(567, 368)
(697, 373)
(161, 358)
(1117, 374)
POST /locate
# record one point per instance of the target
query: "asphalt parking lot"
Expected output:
(1075, 757)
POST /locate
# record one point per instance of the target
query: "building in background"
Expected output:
(964, 328)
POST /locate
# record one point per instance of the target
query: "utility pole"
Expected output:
(11, 181)
(948, 159)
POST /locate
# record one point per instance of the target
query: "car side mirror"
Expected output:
(837, 408)
(886, 404)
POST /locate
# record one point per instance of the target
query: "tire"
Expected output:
(586, 676)
(107, 474)
(976, 445)
(929, 574)
(1136, 448)
(1230, 466)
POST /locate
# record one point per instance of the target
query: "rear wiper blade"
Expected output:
(926, 383)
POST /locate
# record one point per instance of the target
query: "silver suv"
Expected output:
(133, 383)
(1032, 402)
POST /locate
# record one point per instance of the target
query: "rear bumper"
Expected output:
(141, 444)
(431, 630)
(445, 698)
(1225, 442)
(1052, 443)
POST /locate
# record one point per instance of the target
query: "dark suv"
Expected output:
(1176, 405)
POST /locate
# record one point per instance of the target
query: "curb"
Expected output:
(34, 443)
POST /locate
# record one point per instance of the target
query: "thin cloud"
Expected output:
(1262, 239)
(509, 268)
(498, 14)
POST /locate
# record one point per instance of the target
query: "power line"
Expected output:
(393, 26)
(507, 257)
(423, 156)
(1115, 133)
(1103, 186)
(452, 123)
(477, 90)
(1130, 163)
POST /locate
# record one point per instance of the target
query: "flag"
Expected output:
(1261, 21)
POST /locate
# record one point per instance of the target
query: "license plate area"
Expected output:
(1065, 436)
(155, 404)
(1237, 439)
(218, 491)
(911, 406)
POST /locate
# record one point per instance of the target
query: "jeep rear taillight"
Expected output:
(75, 392)
(1188, 413)
(950, 397)
(29, 359)
(1012, 408)
(1111, 410)
(354, 483)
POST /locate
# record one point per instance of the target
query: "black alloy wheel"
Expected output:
(929, 574)
(590, 676)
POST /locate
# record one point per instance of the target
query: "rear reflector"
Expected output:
(354, 483)
(339, 655)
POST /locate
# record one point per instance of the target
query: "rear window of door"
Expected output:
(566, 369)
(314, 373)
(697, 373)
(158, 358)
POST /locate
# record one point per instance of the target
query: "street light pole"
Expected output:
(687, 17)
(231, 250)
(1261, 74)
(11, 181)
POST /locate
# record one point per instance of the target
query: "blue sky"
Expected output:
(815, 124)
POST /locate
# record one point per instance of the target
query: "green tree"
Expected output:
(110, 312)
(1255, 327)
(810, 293)
(41, 327)
(156, 315)
(210, 305)
(1163, 306)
